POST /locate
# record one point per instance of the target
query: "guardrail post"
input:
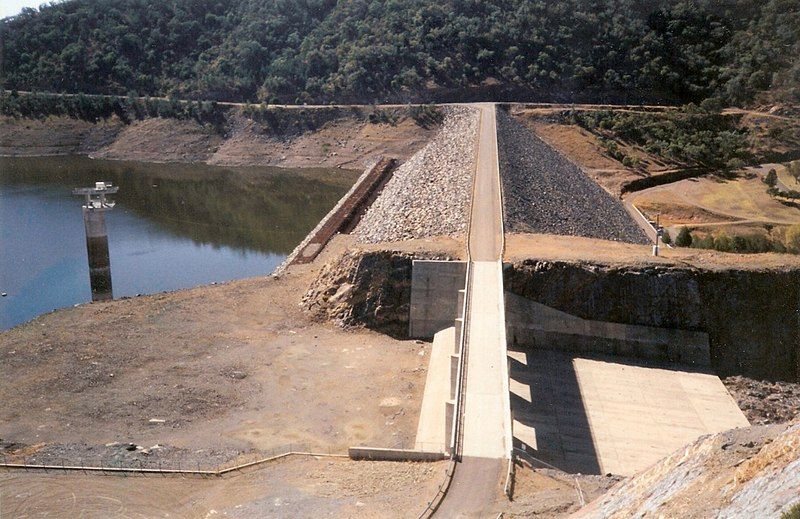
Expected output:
(449, 418)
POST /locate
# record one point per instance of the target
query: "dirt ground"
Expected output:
(548, 493)
(764, 402)
(54, 136)
(672, 210)
(569, 248)
(347, 142)
(294, 487)
(205, 374)
(717, 200)
(162, 140)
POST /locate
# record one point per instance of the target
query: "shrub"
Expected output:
(723, 243)
(792, 513)
(705, 241)
(629, 162)
(426, 115)
(666, 238)
(771, 178)
(380, 116)
(793, 238)
(684, 238)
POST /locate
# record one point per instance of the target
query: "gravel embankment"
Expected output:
(429, 195)
(546, 193)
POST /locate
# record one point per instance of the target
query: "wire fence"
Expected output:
(172, 466)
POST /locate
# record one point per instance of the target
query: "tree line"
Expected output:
(296, 51)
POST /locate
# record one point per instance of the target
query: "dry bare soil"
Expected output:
(295, 487)
(520, 247)
(743, 198)
(347, 142)
(206, 374)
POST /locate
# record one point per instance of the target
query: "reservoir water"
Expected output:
(174, 226)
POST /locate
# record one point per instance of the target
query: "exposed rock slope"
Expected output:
(750, 472)
(369, 288)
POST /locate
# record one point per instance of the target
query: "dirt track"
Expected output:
(298, 487)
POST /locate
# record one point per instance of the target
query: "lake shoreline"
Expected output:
(176, 226)
(347, 141)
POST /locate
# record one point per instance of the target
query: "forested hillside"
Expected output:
(737, 51)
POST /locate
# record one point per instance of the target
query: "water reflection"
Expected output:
(175, 226)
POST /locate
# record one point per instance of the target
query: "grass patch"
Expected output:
(742, 241)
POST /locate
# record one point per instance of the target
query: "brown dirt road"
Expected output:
(297, 487)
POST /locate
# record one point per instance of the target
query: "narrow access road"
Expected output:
(485, 448)
(486, 220)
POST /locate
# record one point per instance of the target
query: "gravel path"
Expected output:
(429, 195)
(546, 193)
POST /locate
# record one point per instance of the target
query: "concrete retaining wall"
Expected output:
(531, 324)
(751, 315)
(381, 454)
(435, 287)
(344, 215)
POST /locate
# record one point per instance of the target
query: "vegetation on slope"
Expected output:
(710, 140)
(365, 51)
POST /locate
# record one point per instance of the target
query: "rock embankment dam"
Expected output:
(561, 343)
(728, 315)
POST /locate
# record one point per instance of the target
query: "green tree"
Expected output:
(771, 178)
(684, 238)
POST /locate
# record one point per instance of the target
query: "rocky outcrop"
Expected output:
(371, 289)
(749, 472)
(543, 192)
(751, 316)
(764, 402)
(430, 194)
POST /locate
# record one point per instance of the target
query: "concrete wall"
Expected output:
(434, 295)
(381, 454)
(752, 316)
(532, 324)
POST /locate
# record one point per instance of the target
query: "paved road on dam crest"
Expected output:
(485, 447)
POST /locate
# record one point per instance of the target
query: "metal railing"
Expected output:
(434, 503)
(455, 434)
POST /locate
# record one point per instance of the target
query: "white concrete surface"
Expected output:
(431, 433)
(603, 414)
(486, 405)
